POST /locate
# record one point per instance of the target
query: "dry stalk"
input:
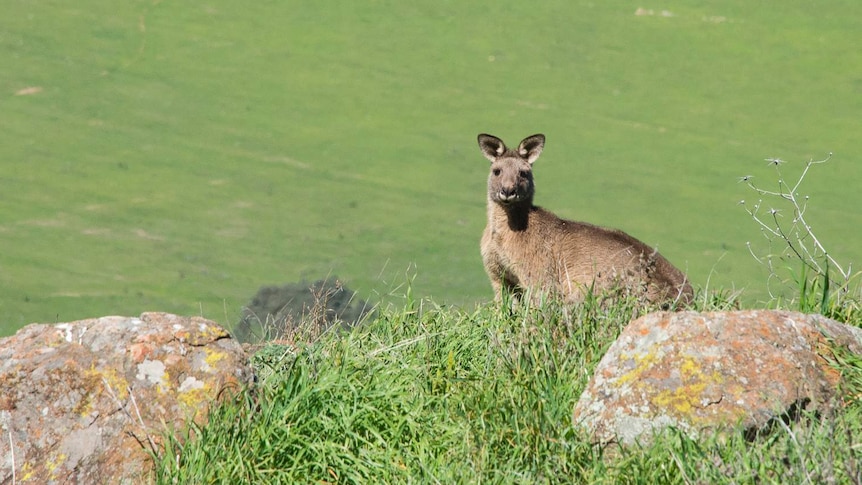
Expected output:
(795, 234)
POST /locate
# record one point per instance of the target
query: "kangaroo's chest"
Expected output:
(521, 254)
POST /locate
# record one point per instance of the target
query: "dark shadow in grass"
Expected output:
(279, 313)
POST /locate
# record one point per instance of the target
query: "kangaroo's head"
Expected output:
(510, 182)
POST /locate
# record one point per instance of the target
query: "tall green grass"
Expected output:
(434, 394)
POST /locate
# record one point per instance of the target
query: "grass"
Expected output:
(176, 156)
(435, 394)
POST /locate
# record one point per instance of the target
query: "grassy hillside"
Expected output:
(430, 394)
(176, 156)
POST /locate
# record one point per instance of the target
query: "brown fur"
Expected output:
(526, 248)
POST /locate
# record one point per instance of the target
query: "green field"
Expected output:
(175, 156)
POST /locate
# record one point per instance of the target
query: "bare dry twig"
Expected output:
(789, 227)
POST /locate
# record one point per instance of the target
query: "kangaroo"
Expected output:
(528, 249)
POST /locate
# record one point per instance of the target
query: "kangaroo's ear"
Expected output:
(531, 147)
(492, 147)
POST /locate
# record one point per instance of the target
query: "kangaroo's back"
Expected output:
(527, 248)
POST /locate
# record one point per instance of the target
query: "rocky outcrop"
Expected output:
(712, 372)
(86, 401)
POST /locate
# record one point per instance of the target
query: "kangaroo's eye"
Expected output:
(525, 174)
(496, 172)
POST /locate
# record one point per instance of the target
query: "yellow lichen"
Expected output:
(97, 380)
(642, 362)
(682, 399)
(110, 378)
(53, 463)
(165, 383)
(213, 332)
(205, 334)
(26, 471)
(213, 357)
(689, 367)
(193, 397)
(693, 382)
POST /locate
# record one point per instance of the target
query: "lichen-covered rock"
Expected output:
(711, 372)
(82, 402)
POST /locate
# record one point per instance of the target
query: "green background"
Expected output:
(175, 156)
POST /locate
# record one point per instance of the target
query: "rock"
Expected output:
(712, 372)
(86, 401)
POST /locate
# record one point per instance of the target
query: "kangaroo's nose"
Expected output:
(507, 193)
